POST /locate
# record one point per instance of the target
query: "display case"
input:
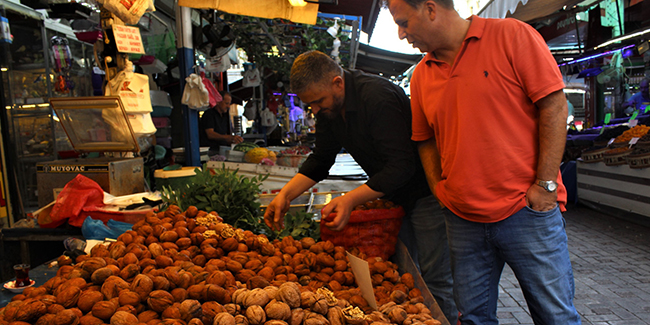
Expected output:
(29, 81)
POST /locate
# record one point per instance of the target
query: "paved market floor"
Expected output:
(611, 266)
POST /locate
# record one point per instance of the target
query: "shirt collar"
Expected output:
(476, 29)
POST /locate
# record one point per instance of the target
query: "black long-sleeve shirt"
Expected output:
(377, 133)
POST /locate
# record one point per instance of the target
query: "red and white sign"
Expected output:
(128, 39)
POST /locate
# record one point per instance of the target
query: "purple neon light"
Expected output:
(596, 56)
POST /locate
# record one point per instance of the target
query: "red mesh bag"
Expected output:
(373, 231)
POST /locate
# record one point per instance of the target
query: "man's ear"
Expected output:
(431, 7)
(338, 83)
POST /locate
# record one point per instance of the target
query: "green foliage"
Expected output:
(298, 225)
(232, 196)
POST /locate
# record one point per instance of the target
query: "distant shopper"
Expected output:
(640, 100)
(370, 117)
(489, 115)
(216, 129)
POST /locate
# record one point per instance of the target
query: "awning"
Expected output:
(387, 63)
(524, 10)
(21, 10)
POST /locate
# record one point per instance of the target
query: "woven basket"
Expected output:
(638, 161)
(593, 155)
(615, 159)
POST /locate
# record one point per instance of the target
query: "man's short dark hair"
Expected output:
(224, 93)
(311, 68)
(448, 4)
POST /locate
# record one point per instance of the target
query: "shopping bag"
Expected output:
(78, 193)
(195, 96)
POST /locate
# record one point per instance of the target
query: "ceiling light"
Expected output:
(298, 3)
(622, 38)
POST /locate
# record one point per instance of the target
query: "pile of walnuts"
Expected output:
(189, 268)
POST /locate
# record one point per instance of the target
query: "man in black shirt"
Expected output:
(215, 126)
(370, 117)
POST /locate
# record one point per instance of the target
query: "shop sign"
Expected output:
(70, 168)
(128, 39)
(563, 25)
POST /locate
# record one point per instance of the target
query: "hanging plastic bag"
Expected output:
(195, 96)
(133, 90)
(78, 193)
(250, 110)
(218, 63)
(214, 95)
(251, 78)
(268, 120)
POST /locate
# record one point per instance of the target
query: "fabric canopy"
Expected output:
(259, 8)
(524, 10)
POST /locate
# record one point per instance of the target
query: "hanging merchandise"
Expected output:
(195, 96)
(251, 78)
(268, 120)
(5, 31)
(129, 11)
(214, 95)
(62, 64)
(218, 64)
(250, 110)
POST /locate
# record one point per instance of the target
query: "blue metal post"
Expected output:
(185, 53)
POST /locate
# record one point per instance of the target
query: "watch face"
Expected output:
(551, 186)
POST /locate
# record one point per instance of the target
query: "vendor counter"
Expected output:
(620, 187)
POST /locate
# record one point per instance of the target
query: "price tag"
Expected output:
(647, 108)
(633, 141)
(608, 117)
(633, 123)
(610, 141)
(634, 115)
(128, 39)
(602, 130)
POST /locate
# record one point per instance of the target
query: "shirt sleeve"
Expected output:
(534, 64)
(421, 129)
(318, 164)
(390, 128)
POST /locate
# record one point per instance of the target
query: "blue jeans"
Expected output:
(534, 244)
(424, 234)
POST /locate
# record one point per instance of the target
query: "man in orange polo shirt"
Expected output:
(490, 118)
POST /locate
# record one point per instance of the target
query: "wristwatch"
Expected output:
(549, 186)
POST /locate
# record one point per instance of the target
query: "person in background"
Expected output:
(640, 100)
(489, 116)
(216, 129)
(370, 117)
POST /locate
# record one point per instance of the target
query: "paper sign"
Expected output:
(608, 117)
(128, 39)
(633, 123)
(602, 130)
(634, 115)
(610, 141)
(647, 108)
(634, 141)
(361, 273)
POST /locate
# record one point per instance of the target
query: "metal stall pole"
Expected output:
(185, 53)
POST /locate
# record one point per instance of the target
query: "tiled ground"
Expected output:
(611, 265)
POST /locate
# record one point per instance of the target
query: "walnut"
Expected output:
(224, 319)
(92, 264)
(127, 297)
(123, 318)
(100, 275)
(354, 316)
(297, 316)
(146, 316)
(68, 297)
(217, 277)
(159, 300)
(277, 310)
(66, 317)
(142, 285)
(314, 318)
(190, 309)
(397, 315)
(104, 309)
(48, 319)
(239, 296)
(289, 293)
(216, 293)
(408, 280)
(232, 309)
(257, 282)
(275, 322)
(161, 283)
(30, 310)
(335, 316)
(172, 312)
(130, 271)
(267, 273)
(88, 299)
(320, 305)
(195, 321)
(241, 320)
(112, 287)
(257, 297)
(210, 309)
(255, 315)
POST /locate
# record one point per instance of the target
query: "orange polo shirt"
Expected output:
(481, 111)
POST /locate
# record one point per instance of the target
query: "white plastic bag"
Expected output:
(251, 78)
(195, 96)
(129, 11)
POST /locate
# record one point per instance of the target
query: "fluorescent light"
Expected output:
(297, 3)
(622, 38)
(596, 56)
(3, 69)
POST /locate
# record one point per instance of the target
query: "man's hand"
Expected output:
(274, 214)
(539, 199)
(235, 139)
(342, 208)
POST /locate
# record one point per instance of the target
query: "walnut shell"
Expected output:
(232, 309)
(100, 275)
(147, 315)
(217, 277)
(66, 317)
(408, 280)
(127, 297)
(209, 309)
(93, 264)
(277, 310)
(46, 319)
(68, 297)
(89, 319)
(297, 316)
(142, 285)
(159, 300)
(257, 282)
(113, 286)
(272, 291)
(30, 310)
(257, 297)
(397, 315)
(224, 319)
(190, 309)
(256, 315)
(314, 318)
(88, 299)
(123, 318)
(241, 320)
(104, 309)
(336, 317)
(216, 293)
(172, 312)
(275, 322)
(289, 293)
